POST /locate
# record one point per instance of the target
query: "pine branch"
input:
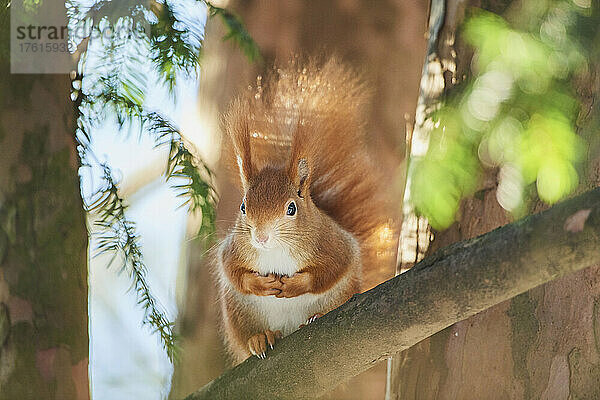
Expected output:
(173, 50)
(117, 232)
(197, 189)
(111, 11)
(118, 89)
(118, 235)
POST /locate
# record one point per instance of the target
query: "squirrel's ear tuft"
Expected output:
(302, 175)
(237, 124)
(244, 176)
(240, 136)
(244, 161)
(298, 167)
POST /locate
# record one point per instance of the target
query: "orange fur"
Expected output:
(299, 139)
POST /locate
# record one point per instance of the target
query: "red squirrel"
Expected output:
(311, 204)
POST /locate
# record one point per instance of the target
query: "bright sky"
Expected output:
(126, 359)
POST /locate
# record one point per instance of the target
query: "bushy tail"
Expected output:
(315, 111)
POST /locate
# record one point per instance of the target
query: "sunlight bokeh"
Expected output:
(516, 113)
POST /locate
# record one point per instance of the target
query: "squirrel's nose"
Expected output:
(262, 237)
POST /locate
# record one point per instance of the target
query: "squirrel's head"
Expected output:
(276, 208)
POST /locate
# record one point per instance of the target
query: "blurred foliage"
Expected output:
(236, 32)
(116, 87)
(516, 112)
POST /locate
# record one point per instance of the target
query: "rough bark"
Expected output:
(455, 283)
(43, 239)
(539, 345)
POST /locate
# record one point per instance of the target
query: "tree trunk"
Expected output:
(542, 344)
(43, 239)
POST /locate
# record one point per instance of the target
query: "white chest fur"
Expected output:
(286, 315)
(282, 314)
(277, 261)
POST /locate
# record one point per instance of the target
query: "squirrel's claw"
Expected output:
(257, 344)
(311, 320)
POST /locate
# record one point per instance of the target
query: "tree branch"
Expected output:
(451, 285)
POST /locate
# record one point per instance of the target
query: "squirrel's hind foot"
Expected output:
(311, 320)
(257, 344)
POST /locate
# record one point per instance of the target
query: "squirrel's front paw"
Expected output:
(259, 285)
(295, 285)
(257, 344)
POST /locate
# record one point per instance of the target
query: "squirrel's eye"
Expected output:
(291, 210)
(243, 207)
